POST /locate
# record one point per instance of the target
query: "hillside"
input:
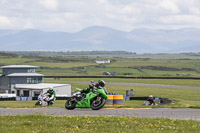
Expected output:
(102, 38)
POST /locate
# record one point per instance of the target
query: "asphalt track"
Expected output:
(186, 114)
(130, 84)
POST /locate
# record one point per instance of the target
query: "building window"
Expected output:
(28, 80)
(31, 70)
(33, 81)
(13, 92)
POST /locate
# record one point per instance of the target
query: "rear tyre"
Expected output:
(70, 104)
(98, 104)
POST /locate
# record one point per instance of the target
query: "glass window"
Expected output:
(33, 81)
(28, 80)
(31, 70)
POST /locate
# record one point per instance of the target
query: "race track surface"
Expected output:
(186, 114)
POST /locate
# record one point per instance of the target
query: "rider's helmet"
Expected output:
(51, 91)
(102, 83)
(150, 96)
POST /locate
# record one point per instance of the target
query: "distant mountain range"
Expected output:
(102, 38)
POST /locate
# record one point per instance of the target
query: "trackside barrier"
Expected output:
(118, 100)
(24, 98)
(109, 101)
(159, 99)
(33, 98)
(114, 100)
(126, 98)
(126, 77)
(8, 99)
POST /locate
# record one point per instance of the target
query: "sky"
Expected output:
(75, 15)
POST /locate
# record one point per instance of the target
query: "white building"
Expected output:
(22, 80)
(33, 90)
(102, 61)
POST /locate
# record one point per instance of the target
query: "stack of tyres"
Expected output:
(109, 101)
(117, 100)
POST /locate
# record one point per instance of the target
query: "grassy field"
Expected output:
(68, 65)
(86, 124)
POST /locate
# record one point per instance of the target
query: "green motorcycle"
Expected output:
(95, 98)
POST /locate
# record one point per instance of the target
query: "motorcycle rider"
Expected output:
(151, 100)
(52, 96)
(101, 83)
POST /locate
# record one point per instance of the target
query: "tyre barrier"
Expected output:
(109, 101)
(118, 100)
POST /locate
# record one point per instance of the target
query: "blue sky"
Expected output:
(74, 15)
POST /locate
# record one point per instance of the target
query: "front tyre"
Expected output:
(98, 103)
(38, 103)
(70, 104)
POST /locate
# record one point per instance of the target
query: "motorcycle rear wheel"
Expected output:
(96, 105)
(70, 104)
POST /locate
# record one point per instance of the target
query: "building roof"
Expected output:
(24, 74)
(19, 66)
(38, 86)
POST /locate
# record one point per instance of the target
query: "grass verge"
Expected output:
(73, 124)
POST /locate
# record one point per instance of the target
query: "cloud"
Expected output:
(28, 25)
(74, 15)
(194, 10)
(181, 19)
(49, 4)
(170, 6)
(5, 22)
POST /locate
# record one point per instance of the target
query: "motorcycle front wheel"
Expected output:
(70, 104)
(38, 103)
(98, 103)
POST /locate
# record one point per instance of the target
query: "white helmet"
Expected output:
(151, 96)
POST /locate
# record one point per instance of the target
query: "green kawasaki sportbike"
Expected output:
(95, 98)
